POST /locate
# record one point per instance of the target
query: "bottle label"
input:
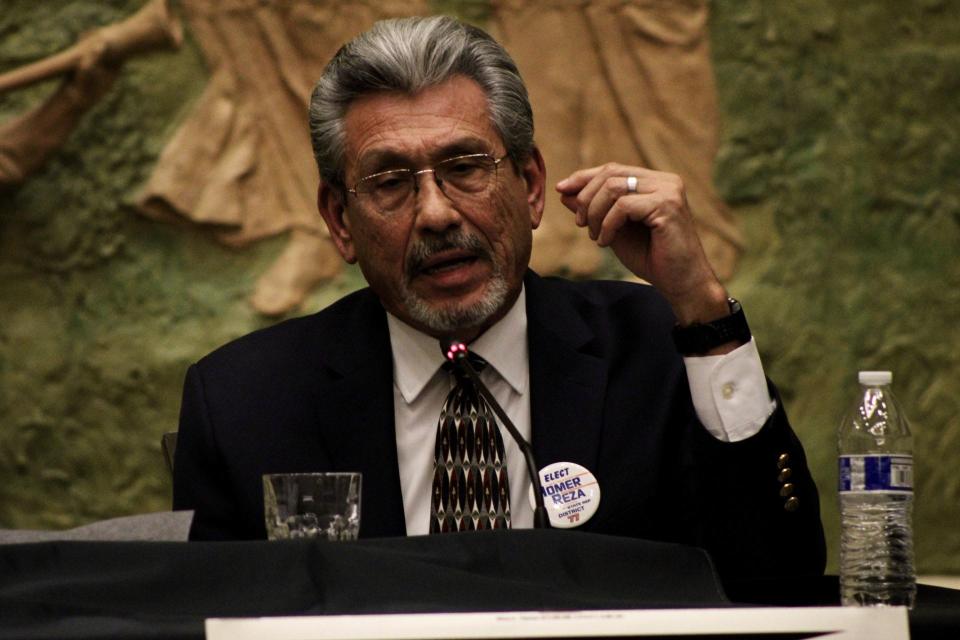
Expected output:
(878, 472)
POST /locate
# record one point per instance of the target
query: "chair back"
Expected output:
(168, 442)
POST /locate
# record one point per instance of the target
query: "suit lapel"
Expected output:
(357, 416)
(567, 383)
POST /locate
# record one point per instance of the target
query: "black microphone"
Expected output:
(456, 352)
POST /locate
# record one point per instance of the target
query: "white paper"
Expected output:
(840, 623)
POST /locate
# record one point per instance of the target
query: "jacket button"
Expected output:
(786, 489)
(792, 504)
(783, 460)
(784, 474)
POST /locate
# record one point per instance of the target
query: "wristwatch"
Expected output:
(697, 338)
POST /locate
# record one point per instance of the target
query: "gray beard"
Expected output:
(447, 320)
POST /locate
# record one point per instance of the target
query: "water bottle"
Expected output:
(876, 499)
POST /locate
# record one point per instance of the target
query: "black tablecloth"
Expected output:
(936, 614)
(166, 590)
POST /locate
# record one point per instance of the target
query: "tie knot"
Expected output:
(478, 364)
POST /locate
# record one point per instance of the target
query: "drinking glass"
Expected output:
(325, 506)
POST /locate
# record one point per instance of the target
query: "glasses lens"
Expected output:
(388, 190)
(467, 174)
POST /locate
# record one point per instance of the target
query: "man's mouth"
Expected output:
(445, 261)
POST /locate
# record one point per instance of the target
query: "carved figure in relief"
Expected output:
(625, 80)
(629, 80)
(26, 142)
(91, 65)
(642, 68)
(241, 161)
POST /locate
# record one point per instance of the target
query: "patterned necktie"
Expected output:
(470, 486)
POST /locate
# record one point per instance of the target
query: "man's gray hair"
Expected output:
(408, 55)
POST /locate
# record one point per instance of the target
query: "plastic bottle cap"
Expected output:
(874, 378)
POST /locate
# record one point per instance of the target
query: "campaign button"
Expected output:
(571, 494)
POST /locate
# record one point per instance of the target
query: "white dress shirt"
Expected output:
(729, 395)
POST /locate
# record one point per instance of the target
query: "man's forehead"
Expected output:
(449, 118)
(389, 154)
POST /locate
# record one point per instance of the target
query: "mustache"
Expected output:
(424, 249)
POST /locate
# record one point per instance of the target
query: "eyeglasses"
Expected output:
(458, 177)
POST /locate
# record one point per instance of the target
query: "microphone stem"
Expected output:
(540, 518)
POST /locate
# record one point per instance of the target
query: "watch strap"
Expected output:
(699, 338)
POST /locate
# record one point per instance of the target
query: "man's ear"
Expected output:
(534, 173)
(330, 202)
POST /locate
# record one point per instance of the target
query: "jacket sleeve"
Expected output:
(758, 512)
(200, 480)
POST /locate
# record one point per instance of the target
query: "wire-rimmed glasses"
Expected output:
(391, 191)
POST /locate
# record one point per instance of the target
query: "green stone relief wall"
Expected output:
(841, 156)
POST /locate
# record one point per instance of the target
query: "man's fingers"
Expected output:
(572, 184)
(629, 208)
(578, 191)
(579, 179)
(610, 193)
(602, 199)
(569, 201)
(598, 206)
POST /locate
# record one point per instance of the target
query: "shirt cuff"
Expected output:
(730, 392)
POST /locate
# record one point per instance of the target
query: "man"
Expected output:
(431, 183)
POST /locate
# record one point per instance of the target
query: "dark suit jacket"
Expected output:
(607, 390)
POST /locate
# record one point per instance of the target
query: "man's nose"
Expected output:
(433, 209)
